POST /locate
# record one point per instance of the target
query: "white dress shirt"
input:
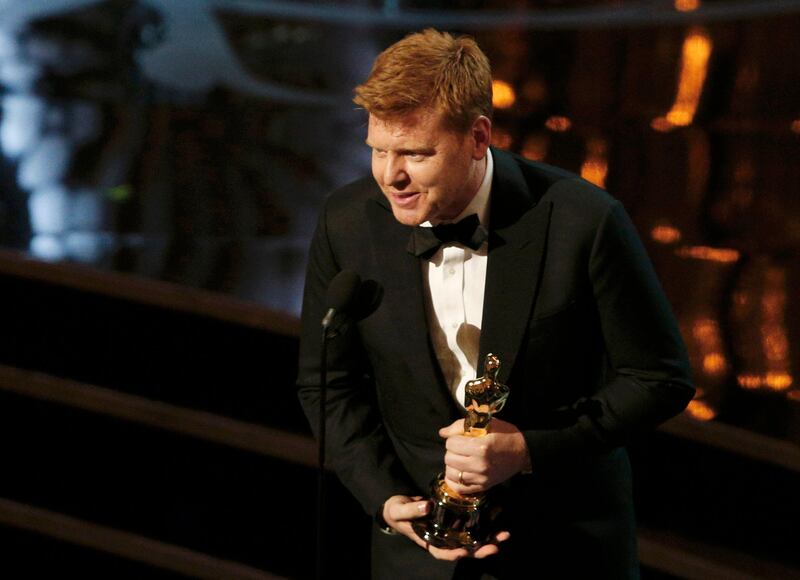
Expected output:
(454, 280)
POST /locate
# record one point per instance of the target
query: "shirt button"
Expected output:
(454, 325)
(451, 271)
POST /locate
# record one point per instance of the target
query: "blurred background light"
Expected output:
(595, 166)
(47, 247)
(49, 209)
(558, 123)
(503, 95)
(665, 234)
(696, 52)
(700, 410)
(724, 255)
(535, 146)
(687, 5)
(20, 123)
(46, 163)
(501, 138)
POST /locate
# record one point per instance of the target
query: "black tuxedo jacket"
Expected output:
(588, 347)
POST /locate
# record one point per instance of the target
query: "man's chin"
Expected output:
(408, 217)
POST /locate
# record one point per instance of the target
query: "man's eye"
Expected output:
(416, 156)
(378, 153)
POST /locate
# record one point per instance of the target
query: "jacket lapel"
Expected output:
(517, 245)
(401, 276)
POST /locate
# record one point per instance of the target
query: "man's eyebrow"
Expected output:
(407, 151)
(417, 150)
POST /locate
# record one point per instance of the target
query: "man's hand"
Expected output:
(475, 464)
(399, 510)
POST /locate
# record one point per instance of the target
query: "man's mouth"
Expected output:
(405, 199)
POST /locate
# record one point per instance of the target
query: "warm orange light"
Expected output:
(773, 381)
(595, 167)
(503, 95)
(687, 5)
(714, 363)
(700, 410)
(705, 329)
(535, 147)
(707, 335)
(680, 118)
(775, 343)
(750, 382)
(796, 126)
(665, 234)
(595, 172)
(501, 138)
(774, 337)
(772, 304)
(661, 125)
(558, 123)
(707, 253)
(694, 67)
(778, 381)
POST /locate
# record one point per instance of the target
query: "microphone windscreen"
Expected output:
(343, 290)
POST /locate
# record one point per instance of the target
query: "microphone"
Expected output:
(341, 296)
(344, 293)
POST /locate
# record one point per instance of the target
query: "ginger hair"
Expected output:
(429, 69)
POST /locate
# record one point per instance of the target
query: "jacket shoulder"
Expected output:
(565, 189)
(350, 217)
(353, 196)
(347, 208)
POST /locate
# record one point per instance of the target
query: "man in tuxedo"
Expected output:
(477, 251)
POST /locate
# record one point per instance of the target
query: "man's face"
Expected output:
(427, 171)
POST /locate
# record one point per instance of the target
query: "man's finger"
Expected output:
(463, 489)
(455, 428)
(486, 550)
(469, 446)
(459, 444)
(462, 481)
(456, 461)
(450, 555)
(409, 510)
(438, 553)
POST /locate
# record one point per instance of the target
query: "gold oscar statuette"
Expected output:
(463, 521)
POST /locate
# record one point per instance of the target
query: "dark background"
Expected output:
(161, 167)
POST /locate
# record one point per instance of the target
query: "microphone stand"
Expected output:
(323, 392)
(342, 291)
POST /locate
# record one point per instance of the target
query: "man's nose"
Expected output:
(394, 173)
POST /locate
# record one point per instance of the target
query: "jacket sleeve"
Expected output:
(357, 445)
(650, 378)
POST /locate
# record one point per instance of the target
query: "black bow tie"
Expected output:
(425, 242)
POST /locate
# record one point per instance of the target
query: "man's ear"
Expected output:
(481, 133)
